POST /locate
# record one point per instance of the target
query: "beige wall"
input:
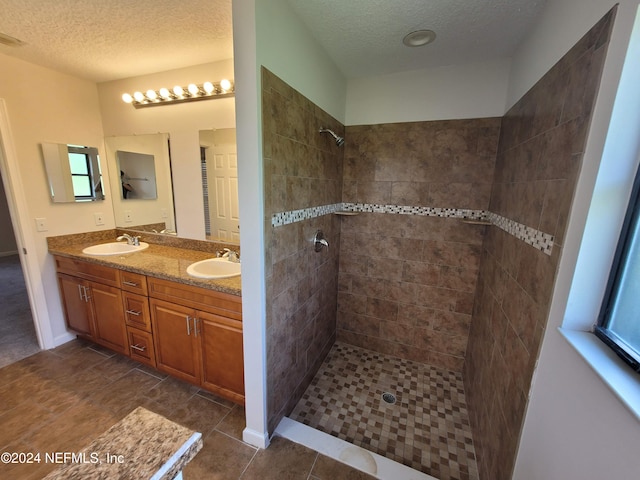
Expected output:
(47, 106)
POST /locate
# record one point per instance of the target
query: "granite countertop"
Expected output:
(160, 261)
(143, 445)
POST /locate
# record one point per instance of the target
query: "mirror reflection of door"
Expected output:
(221, 192)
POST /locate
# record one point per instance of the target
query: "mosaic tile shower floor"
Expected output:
(426, 429)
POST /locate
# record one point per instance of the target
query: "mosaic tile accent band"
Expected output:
(536, 238)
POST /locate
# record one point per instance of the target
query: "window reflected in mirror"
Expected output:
(73, 172)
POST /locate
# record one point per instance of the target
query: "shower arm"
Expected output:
(339, 140)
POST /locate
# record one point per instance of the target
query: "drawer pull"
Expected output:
(130, 284)
(139, 348)
(133, 312)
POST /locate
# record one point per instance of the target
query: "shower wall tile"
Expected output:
(302, 170)
(538, 162)
(418, 273)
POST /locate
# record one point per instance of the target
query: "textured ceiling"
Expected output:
(111, 39)
(364, 37)
(105, 40)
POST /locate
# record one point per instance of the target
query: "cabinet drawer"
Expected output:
(141, 346)
(90, 271)
(133, 282)
(136, 311)
(199, 298)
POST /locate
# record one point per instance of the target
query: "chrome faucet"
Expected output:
(231, 255)
(130, 240)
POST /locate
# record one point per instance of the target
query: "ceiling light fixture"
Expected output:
(419, 38)
(178, 94)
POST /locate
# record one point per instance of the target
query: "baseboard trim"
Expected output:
(62, 339)
(255, 438)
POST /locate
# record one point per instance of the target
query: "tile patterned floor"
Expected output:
(60, 400)
(427, 428)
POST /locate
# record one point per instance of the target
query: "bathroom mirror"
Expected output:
(143, 163)
(219, 186)
(137, 175)
(73, 172)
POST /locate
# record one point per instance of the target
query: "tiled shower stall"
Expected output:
(452, 258)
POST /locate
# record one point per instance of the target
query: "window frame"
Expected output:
(90, 156)
(601, 330)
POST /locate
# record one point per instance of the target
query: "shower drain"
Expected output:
(389, 398)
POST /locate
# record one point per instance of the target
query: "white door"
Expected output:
(222, 175)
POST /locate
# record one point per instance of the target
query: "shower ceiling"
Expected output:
(108, 40)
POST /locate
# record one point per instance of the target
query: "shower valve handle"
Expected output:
(319, 241)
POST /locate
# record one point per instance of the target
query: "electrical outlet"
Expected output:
(41, 224)
(99, 218)
(127, 216)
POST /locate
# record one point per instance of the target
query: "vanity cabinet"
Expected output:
(198, 336)
(189, 332)
(92, 302)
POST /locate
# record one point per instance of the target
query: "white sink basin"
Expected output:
(114, 248)
(214, 268)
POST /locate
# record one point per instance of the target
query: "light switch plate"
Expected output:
(41, 224)
(99, 218)
(127, 216)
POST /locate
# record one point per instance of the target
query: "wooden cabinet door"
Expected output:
(78, 315)
(222, 358)
(174, 337)
(110, 329)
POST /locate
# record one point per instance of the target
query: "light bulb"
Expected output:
(164, 93)
(178, 90)
(127, 98)
(139, 97)
(225, 85)
(208, 87)
(193, 89)
(151, 94)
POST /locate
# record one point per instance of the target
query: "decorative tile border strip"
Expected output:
(293, 216)
(537, 239)
(408, 210)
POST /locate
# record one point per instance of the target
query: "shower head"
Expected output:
(339, 140)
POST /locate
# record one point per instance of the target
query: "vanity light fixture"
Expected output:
(178, 94)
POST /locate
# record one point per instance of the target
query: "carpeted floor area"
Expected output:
(17, 333)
